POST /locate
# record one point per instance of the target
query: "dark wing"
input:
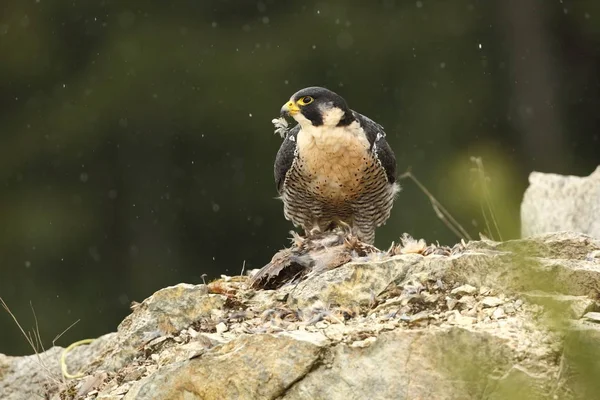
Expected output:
(285, 156)
(383, 151)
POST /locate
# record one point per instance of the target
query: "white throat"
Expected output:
(332, 116)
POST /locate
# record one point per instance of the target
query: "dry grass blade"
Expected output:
(36, 333)
(243, 268)
(483, 179)
(439, 209)
(31, 341)
(63, 332)
(28, 337)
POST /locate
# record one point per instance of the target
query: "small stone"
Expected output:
(488, 311)
(404, 318)
(134, 375)
(471, 312)
(411, 299)
(491, 301)
(364, 343)
(464, 290)
(221, 327)
(452, 316)
(321, 325)
(431, 298)
(451, 303)
(593, 256)
(192, 332)
(389, 326)
(509, 309)
(484, 290)
(593, 316)
(420, 316)
(518, 303)
(467, 301)
(281, 296)
(461, 320)
(498, 313)
(335, 332)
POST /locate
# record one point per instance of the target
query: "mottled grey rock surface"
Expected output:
(561, 203)
(490, 320)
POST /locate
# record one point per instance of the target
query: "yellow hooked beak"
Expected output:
(290, 108)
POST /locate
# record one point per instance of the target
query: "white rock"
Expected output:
(321, 325)
(451, 303)
(491, 301)
(554, 203)
(592, 316)
(498, 313)
(221, 327)
(463, 290)
(462, 320)
(467, 301)
(364, 343)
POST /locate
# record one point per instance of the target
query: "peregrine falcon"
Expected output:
(334, 167)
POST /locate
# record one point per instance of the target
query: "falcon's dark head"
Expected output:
(318, 106)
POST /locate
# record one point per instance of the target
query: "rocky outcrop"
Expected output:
(30, 377)
(561, 203)
(485, 320)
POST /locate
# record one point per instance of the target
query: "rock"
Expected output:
(451, 303)
(386, 326)
(418, 364)
(559, 245)
(464, 320)
(464, 290)
(498, 313)
(554, 203)
(592, 316)
(168, 311)
(249, 367)
(580, 356)
(485, 291)
(28, 377)
(221, 327)
(364, 343)
(467, 301)
(491, 301)
(570, 306)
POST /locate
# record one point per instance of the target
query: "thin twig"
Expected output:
(63, 332)
(439, 209)
(31, 342)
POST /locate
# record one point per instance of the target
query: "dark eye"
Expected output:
(305, 100)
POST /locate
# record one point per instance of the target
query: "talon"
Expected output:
(296, 239)
(314, 231)
(346, 228)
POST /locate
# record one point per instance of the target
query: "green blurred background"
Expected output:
(136, 147)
